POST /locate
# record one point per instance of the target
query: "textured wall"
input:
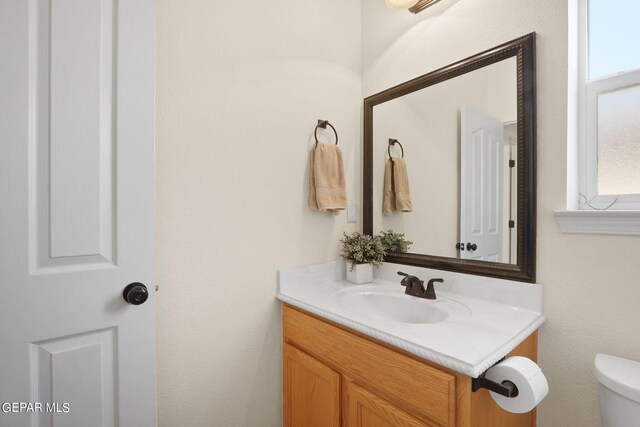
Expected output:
(240, 87)
(591, 283)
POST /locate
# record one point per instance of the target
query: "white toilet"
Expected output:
(618, 390)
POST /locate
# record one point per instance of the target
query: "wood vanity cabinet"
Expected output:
(334, 376)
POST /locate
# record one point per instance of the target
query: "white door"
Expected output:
(76, 212)
(481, 192)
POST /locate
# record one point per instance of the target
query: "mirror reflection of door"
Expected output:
(487, 193)
(481, 192)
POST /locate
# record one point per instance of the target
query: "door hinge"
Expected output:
(512, 224)
(512, 163)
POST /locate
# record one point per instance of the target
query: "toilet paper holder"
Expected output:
(506, 388)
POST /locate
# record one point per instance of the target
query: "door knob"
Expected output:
(472, 246)
(135, 293)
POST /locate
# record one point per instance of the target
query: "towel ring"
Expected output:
(323, 124)
(394, 142)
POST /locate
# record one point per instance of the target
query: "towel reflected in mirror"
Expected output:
(397, 197)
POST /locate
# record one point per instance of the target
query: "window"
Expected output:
(605, 76)
(609, 94)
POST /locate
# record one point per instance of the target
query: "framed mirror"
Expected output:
(450, 161)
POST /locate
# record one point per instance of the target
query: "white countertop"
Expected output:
(503, 313)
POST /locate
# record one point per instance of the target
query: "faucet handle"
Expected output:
(430, 293)
(405, 281)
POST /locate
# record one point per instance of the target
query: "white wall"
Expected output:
(240, 87)
(591, 283)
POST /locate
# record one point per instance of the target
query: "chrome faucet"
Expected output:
(415, 286)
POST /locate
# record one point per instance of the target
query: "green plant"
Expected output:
(360, 248)
(394, 242)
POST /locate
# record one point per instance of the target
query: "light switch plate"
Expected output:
(352, 211)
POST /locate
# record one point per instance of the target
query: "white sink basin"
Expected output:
(393, 305)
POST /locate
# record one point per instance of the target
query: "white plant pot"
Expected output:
(361, 273)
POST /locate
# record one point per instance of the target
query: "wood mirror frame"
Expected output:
(523, 49)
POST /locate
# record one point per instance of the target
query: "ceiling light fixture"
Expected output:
(400, 4)
(413, 5)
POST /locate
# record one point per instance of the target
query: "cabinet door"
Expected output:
(311, 391)
(365, 409)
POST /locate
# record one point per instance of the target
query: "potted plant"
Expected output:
(361, 252)
(394, 242)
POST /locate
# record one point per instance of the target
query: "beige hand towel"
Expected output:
(401, 185)
(388, 197)
(396, 195)
(327, 188)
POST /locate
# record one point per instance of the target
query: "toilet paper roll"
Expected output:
(527, 376)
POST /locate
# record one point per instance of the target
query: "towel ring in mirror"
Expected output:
(323, 124)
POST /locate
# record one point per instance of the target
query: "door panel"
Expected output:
(481, 192)
(72, 91)
(77, 211)
(78, 368)
(80, 109)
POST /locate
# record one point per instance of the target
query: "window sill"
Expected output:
(599, 222)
